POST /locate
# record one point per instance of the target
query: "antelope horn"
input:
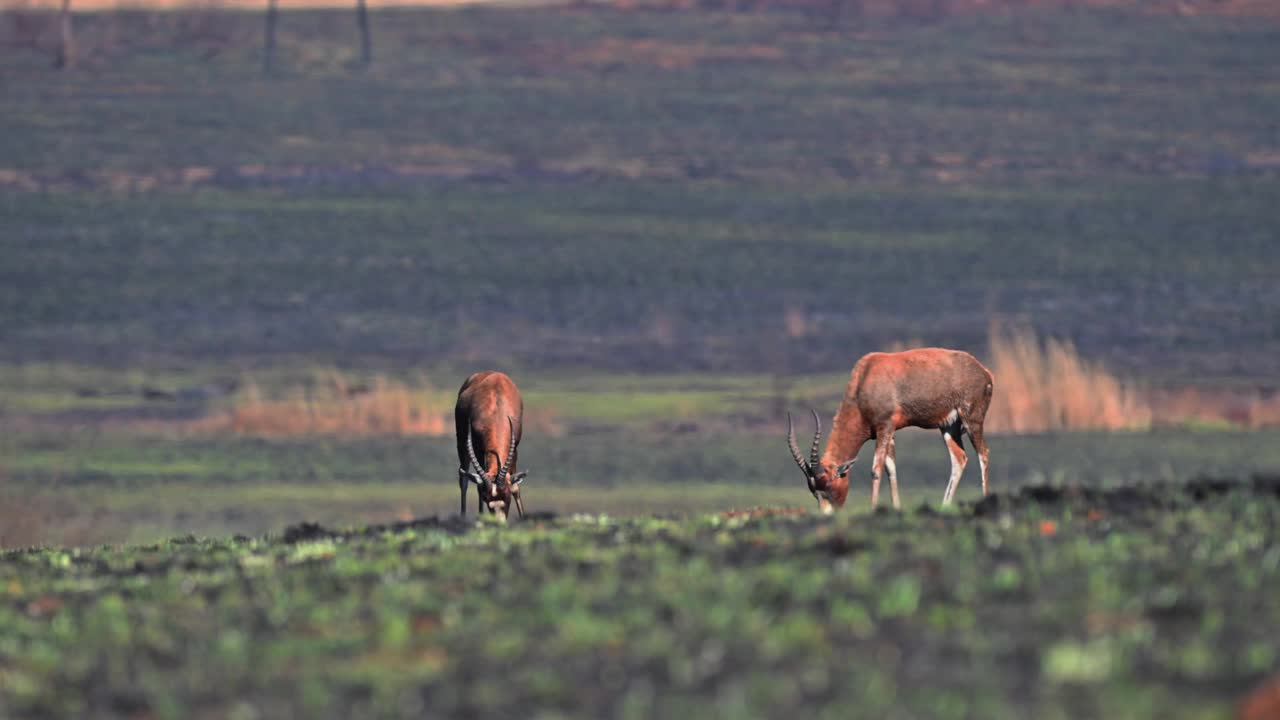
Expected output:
(476, 467)
(795, 451)
(817, 439)
(511, 452)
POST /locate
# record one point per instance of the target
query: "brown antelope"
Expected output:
(488, 421)
(927, 388)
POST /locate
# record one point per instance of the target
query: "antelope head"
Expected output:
(499, 492)
(829, 483)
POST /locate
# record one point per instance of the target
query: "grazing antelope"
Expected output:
(927, 388)
(488, 421)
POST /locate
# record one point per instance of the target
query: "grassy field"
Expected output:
(1141, 602)
(89, 486)
(672, 228)
(644, 276)
(732, 97)
(638, 191)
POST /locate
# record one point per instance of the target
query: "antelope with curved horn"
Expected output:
(927, 388)
(487, 445)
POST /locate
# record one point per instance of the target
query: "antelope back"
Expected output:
(490, 411)
(927, 387)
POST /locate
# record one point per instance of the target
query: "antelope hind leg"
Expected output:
(980, 445)
(891, 463)
(952, 438)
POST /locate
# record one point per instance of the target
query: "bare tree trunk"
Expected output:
(67, 46)
(269, 42)
(362, 19)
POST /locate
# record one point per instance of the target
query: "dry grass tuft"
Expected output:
(1046, 385)
(334, 405)
(1214, 407)
(1264, 412)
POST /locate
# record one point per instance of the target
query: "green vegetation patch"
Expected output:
(1150, 601)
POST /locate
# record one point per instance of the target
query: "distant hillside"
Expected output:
(919, 9)
(644, 190)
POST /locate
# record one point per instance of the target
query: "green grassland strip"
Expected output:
(440, 498)
(179, 508)
(61, 389)
(85, 458)
(1149, 603)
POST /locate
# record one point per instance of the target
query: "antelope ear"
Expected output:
(519, 478)
(844, 467)
(478, 479)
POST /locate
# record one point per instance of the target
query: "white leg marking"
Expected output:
(957, 468)
(893, 480)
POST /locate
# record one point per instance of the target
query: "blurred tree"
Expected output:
(269, 42)
(366, 45)
(66, 39)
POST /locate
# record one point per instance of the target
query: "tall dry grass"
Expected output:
(1046, 385)
(1247, 408)
(334, 404)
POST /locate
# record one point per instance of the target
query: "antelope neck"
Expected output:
(848, 433)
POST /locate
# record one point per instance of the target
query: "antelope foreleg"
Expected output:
(890, 462)
(884, 441)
